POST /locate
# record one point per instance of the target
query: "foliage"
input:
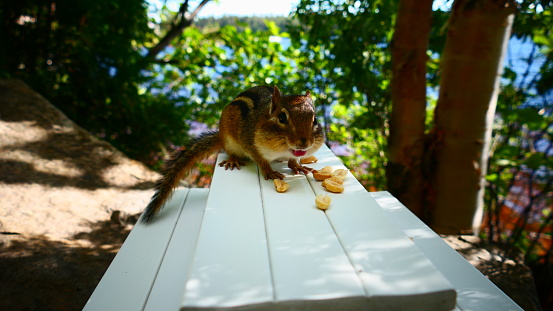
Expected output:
(90, 59)
(84, 56)
(255, 23)
(520, 176)
(211, 68)
(519, 190)
(349, 64)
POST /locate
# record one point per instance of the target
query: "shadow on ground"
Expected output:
(40, 274)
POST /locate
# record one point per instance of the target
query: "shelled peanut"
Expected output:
(322, 174)
(333, 180)
(281, 185)
(333, 186)
(322, 201)
(309, 159)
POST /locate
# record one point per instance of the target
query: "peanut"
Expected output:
(336, 179)
(309, 159)
(322, 201)
(280, 185)
(321, 175)
(333, 186)
(340, 173)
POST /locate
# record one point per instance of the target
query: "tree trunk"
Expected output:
(406, 141)
(472, 62)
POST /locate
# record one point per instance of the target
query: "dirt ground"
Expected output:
(68, 201)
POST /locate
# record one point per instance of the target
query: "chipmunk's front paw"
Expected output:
(304, 169)
(274, 175)
(297, 168)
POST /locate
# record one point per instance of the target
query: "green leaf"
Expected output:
(273, 28)
(504, 162)
(531, 118)
(510, 74)
(491, 177)
(534, 160)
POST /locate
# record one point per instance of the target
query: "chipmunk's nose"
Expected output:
(302, 143)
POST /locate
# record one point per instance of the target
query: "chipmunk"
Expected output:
(260, 124)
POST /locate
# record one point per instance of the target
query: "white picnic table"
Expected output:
(240, 245)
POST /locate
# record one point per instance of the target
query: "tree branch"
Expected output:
(180, 22)
(197, 10)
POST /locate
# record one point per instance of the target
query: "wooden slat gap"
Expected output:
(273, 285)
(313, 183)
(166, 247)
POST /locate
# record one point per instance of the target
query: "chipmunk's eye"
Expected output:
(283, 118)
(315, 122)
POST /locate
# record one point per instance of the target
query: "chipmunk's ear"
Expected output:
(307, 93)
(275, 102)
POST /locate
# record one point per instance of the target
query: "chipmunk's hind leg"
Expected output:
(232, 163)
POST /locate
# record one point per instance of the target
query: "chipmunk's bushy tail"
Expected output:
(178, 166)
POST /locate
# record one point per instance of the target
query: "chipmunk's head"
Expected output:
(295, 117)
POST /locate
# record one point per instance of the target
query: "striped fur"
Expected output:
(250, 127)
(177, 167)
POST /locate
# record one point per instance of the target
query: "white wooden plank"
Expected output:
(128, 280)
(171, 279)
(474, 290)
(308, 263)
(231, 265)
(395, 273)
